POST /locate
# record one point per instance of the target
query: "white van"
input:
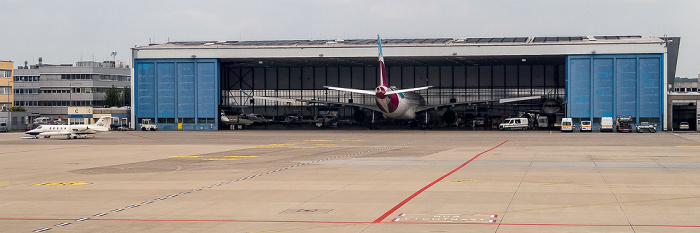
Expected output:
(513, 124)
(586, 126)
(606, 124)
(3, 127)
(567, 125)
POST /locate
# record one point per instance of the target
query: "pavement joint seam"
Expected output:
(226, 182)
(613, 194)
(516, 191)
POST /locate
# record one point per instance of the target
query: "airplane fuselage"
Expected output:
(71, 130)
(399, 105)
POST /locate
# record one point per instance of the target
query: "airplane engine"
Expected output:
(450, 117)
(360, 116)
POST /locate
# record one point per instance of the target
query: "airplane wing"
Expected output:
(503, 100)
(285, 100)
(407, 90)
(366, 92)
(508, 100)
(55, 133)
(436, 106)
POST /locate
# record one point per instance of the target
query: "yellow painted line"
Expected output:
(61, 183)
(241, 156)
(278, 145)
(307, 147)
(687, 146)
(1, 183)
(185, 156)
(324, 144)
(460, 181)
(221, 159)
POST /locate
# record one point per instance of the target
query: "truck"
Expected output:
(147, 125)
(645, 126)
(514, 123)
(623, 123)
(606, 124)
(567, 125)
(543, 122)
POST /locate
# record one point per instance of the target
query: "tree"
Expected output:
(18, 109)
(126, 96)
(112, 97)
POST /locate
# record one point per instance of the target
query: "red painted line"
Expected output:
(142, 137)
(392, 210)
(350, 222)
(228, 220)
(542, 224)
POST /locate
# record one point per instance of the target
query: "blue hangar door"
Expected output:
(610, 85)
(177, 94)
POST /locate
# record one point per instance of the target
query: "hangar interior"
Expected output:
(452, 80)
(181, 92)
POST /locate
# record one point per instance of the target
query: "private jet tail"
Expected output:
(102, 124)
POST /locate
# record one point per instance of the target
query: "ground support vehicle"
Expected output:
(567, 125)
(606, 124)
(645, 126)
(586, 126)
(624, 123)
(514, 123)
(147, 125)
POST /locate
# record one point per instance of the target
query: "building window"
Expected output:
(5, 90)
(75, 76)
(5, 73)
(77, 121)
(27, 78)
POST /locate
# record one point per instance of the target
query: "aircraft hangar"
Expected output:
(185, 85)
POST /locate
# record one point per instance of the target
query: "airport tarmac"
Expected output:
(351, 181)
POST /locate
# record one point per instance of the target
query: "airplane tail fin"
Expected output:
(103, 123)
(382, 68)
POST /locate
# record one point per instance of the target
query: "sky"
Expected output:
(63, 32)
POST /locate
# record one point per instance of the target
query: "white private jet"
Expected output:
(393, 103)
(71, 131)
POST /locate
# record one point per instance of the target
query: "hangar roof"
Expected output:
(418, 51)
(404, 42)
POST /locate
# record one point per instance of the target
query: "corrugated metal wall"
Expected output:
(177, 93)
(611, 85)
